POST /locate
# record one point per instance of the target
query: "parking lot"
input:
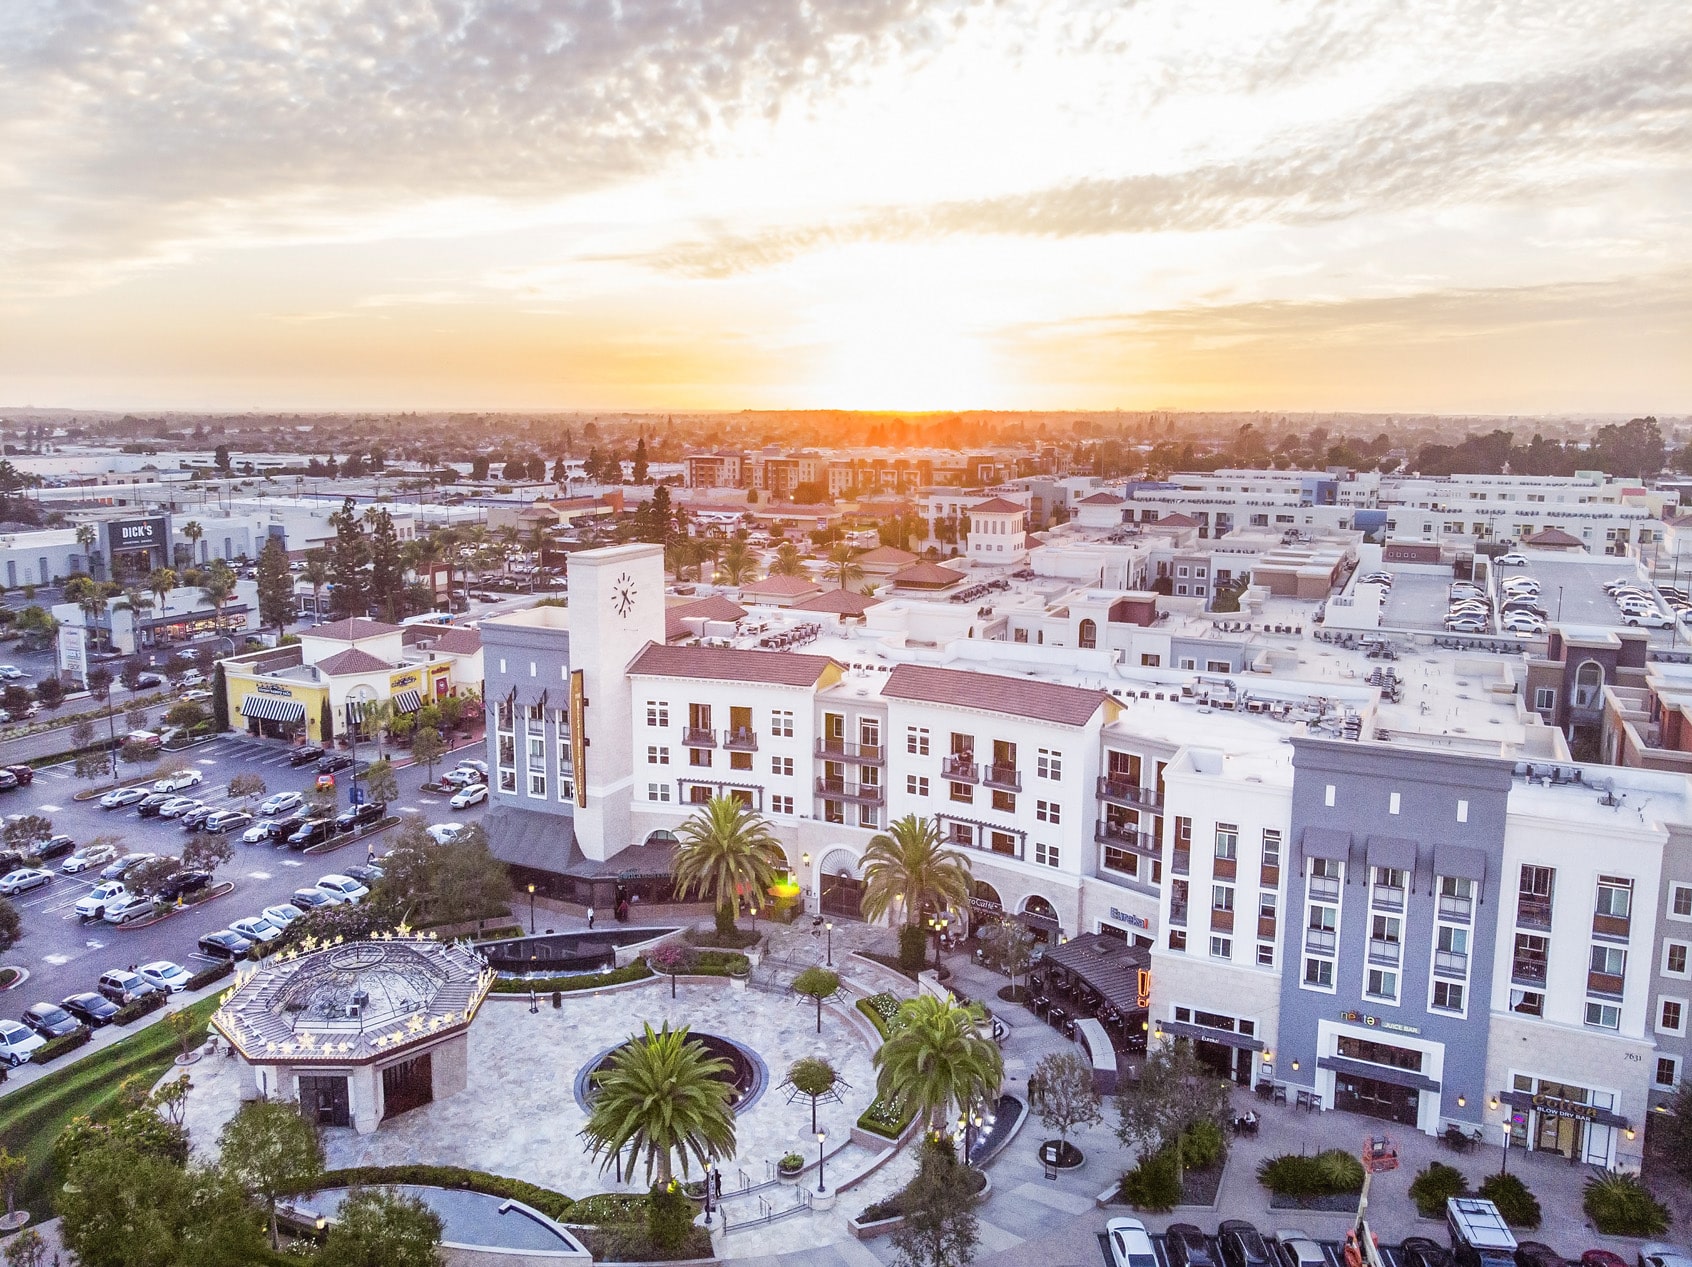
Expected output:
(64, 955)
(1572, 590)
(1417, 600)
(1331, 1250)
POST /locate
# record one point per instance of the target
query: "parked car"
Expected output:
(122, 986)
(166, 975)
(1602, 1258)
(1241, 1244)
(281, 803)
(259, 832)
(1423, 1251)
(195, 818)
(222, 822)
(150, 805)
(50, 1020)
(92, 905)
(361, 815)
(334, 761)
(129, 907)
(1129, 1244)
(183, 883)
(282, 915)
(1662, 1254)
(480, 767)
(8, 780)
(312, 832)
(55, 847)
(1538, 1254)
(1649, 620)
(17, 1042)
(178, 781)
(256, 928)
(86, 857)
(311, 899)
(343, 889)
(121, 797)
(146, 737)
(224, 944)
(24, 879)
(445, 833)
(91, 1009)
(287, 825)
(178, 806)
(460, 778)
(475, 794)
(305, 755)
(365, 873)
(1298, 1248)
(24, 774)
(1465, 624)
(11, 673)
(1186, 1246)
(1511, 560)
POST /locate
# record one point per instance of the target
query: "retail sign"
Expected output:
(406, 681)
(1133, 921)
(578, 736)
(1556, 1106)
(1378, 1022)
(132, 534)
(274, 688)
(73, 652)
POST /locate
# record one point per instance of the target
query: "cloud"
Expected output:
(1486, 141)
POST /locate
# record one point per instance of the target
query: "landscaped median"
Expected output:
(198, 900)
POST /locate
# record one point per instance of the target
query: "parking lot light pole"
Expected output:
(531, 910)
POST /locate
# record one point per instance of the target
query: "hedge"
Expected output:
(881, 1009)
(636, 971)
(740, 939)
(207, 976)
(555, 1205)
(887, 1121)
(609, 1207)
(53, 1048)
(1329, 1173)
(139, 1008)
(719, 963)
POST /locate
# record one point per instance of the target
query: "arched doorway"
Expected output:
(985, 905)
(840, 891)
(1089, 635)
(1041, 918)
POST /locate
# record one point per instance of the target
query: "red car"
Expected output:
(24, 774)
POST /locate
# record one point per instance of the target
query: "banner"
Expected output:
(578, 736)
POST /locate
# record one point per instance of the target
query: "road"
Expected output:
(64, 956)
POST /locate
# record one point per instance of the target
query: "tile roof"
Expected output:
(998, 506)
(1553, 537)
(1101, 499)
(887, 555)
(351, 630)
(781, 586)
(1177, 520)
(730, 664)
(840, 602)
(352, 660)
(458, 641)
(928, 575)
(992, 693)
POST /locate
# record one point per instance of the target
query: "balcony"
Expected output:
(1533, 912)
(1451, 963)
(1181, 862)
(1221, 921)
(1003, 777)
(1178, 914)
(1456, 910)
(845, 750)
(846, 790)
(742, 739)
(1324, 888)
(960, 768)
(1527, 972)
(1320, 941)
(699, 737)
(1385, 952)
(1605, 984)
(1386, 897)
(1611, 927)
(1224, 868)
(1140, 842)
(1125, 792)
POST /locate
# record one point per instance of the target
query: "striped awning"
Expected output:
(408, 701)
(358, 709)
(269, 708)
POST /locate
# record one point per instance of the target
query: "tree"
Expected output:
(192, 532)
(207, 851)
(739, 565)
(908, 865)
(1007, 947)
(100, 690)
(90, 597)
(662, 1096)
(936, 1059)
(160, 582)
(380, 782)
(1063, 1093)
(347, 556)
(185, 715)
(271, 1151)
(316, 574)
(1672, 1131)
(725, 850)
(427, 748)
(11, 925)
(50, 693)
(640, 461)
(387, 572)
(275, 587)
(818, 984)
(247, 786)
(426, 882)
(814, 1078)
(35, 626)
(1174, 1092)
(16, 700)
(220, 459)
(788, 561)
(26, 832)
(378, 1227)
(217, 587)
(940, 1228)
(122, 1208)
(841, 568)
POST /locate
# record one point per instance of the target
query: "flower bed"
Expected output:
(555, 1205)
(882, 1010)
(886, 1120)
(636, 971)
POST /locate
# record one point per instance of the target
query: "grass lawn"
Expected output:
(31, 1118)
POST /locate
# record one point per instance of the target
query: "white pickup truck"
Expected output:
(94, 905)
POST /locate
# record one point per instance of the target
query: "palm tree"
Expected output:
(217, 587)
(788, 561)
(841, 568)
(161, 581)
(662, 1095)
(510, 539)
(936, 1059)
(739, 565)
(86, 536)
(316, 574)
(193, 531)
(726, 849)
(89, 595)
(908, 864)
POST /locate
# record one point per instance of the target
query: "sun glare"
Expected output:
(888, 361)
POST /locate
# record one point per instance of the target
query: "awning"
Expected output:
(1394, 852)
(358, 709)
(1043, 922)
(1111, 967)
(1208, 1034)
(269, 708)
(1380, 1073)
(1555, 1106)
(1327, 842)
(408, 701)
(1456, 860)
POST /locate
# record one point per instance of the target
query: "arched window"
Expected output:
(1589, 683)
(1038, 905)
(1089, 635)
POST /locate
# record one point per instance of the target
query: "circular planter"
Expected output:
(13, 1221)
(1061, 1155)
(789, 1176)
(192, 1058)
(16, 981)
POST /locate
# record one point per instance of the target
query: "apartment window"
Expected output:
(1319, 973)
(657, 713)
(1609, 961)
(1680, 901)
(503, 715)
(537, 783)
(1221, 947)
(1448, 996)
(1675, 959)
(1178, 940)
(916, 784)
(658, 791)
(534, 713)
(1393, 802)
(1227, 840)
(1545, 698)
(1456, 897)
(916, 740)
(1603, 1015)
(1382, 984)
(1462, 811)
(1668, 1072)
(963, 792)
(1265, 954)
(1004, 802)
(867, 816)
(1266, 904)
(699, 756)
(1048, 764)
(834, 812)
(1671, 1016)
(1615, 897)
(656, 755)
(1045, 855)
(1183, 832)
(781, 804)
(781, 765)
(1002, 842)
(1328, 795)
(1271, 848)
(1527, 1002)
(740, 760)
(781, 723)
(1222, 897)
(869, 732)
(1048, 811)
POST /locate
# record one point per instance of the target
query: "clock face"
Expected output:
(623, 595)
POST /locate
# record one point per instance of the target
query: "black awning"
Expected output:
(1327, 842)
(1209, 1034)
(1380, 1073)
(1111, 967)
(269, 708)
(407, 701)
(1555, 1106)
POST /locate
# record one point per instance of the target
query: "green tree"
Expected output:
(88, 595)
(1672, 1131)
(788, 561)
(160, 582)
(817, 984)
(936, 1060)
(841, 569)
(16, 700)
(50, 693)
(640, 461)
(217, 587)
(220, 459)
(428, 883)
(1007, 947)
(940, 1227)
(316, 573)
(271, 1151)
(908, 865)
(739, 565)
(121, 1208)
(99, 682)
(377, 1227)
(11, 925)
(380, 782)
(35, 626)
(186, 715)
(26, 832)
(662, 1097)
(192, 531)
(1063, 1093)
(1174, 1093)
(275, 587)
(247, 786)
(427, 749)
(348, 555)
(814, 1078)
(725, 850)
(387, 570)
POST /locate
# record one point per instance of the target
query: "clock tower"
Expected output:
(616, 608)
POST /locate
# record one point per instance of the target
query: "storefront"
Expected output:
(274, 711)
(840, 891)
(1580, 1123)
(1126, 926)
(1391, 1079)
(1227, 1044)
(137, 546)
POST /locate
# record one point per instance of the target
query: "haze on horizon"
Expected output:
(1468, 206)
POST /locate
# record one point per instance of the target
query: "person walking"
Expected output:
(590, 919)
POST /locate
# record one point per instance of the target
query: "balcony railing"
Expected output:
(1224, 868)
(1127, 792)
(843, 789)
(1221, 921)
(1616, 927)
(1607, 984)
(1387, 897)
(960, 769)
(1180, 861)
(1527, 971)
(1324, 888)
(1385, 952)
(845, 750)
(1457, 910)
(741, 739)
(1319, 940)
(1002, 776)
(1533, 912)
(1140, 842)
(699, 737)
(1178, 913)
(1451, 963)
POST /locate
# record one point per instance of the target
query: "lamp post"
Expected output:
(534, 1003)
(707, 1194)
(828, 928)
(822, 1156)
(531, 910)
(1504, 1159)
(938, 924)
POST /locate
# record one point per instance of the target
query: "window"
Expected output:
(1545, 699)
(1603, 1015)
(834, 812)
(916, 784)
(1328, 795)
(1271, 848)
(1448, 996)
(963, 792)
(656, 755)
(1668, 1072)
(1222, 897)
(916, 740)
(537, 783)
(1002, 842)
(658, 791)
(1462, 811)
(1045, 855)
(1004, 802)
(867, 816)
(699, 756)
(1611, 961)
(1221, 947)
(781, 804)
(1048, 764)
(1527, 1002)
(1393, 803)
(1589, 684)
(1671, 1016)
(1265, 954)
(503, 715)
(1680, 901)
(740, 760)
(1183, 832)
(1319, 973)
(1382, 984)
(1048, 811)
(1178, 939)
(1675, 959)
(1227, 840)
(657, 713)
(781, 723)
(1615, 897)
(781, 765)
(1453, 941)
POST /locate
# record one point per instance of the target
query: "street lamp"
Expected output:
(829, 929)
(707, 1194)
(531, 910)
(1504, 1160)
(534, 1003)
(822, 1140)
(938, 923)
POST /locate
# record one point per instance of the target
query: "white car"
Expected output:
(280, 804)
(177, 806)
(17, 1042)
(1663, 1254)
(179, 781)
(343, 889)
(165, 975)
(256, 928)
(1129, 1244)
(24, 879)
(1511, 561)
(130, 906)
(475, 794)
(1527, 626)
(89, 856)
(282, 915)
(445, 833)
(93, 906)
(11, 673)
(1465, 625)
(259, 832)
(1648, 620)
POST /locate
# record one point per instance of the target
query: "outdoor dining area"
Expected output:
(1098, 978)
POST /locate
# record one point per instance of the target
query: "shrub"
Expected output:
(608, 1207)
(893, 1207)
(206, 976)
(1433, 1186)
(1152, 1185)
(636, 971)
(53, 1048)
(555, 1205)
(1620, 1205)
(1340, 1171)
(885, 1119)
(136, 1010)
(735, 939)
(883, 1010)
(669, 1217)
(1519, 1207)
(1326, 1174)
(791, 1162)
(720, 963)
(913, 949)
(1203, 1145)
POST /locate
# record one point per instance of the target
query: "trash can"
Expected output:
(558, 998)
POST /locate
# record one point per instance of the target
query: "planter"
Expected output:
(1061, 1155)
(789, 1176)
(739, 981)
(13, 1221)
(824, 1200)
(192, 1058)
(20, 975)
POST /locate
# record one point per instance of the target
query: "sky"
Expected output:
(1477, 206)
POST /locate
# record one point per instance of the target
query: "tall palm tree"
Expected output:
(909, 864)
(161, 581)
(86, 536)
(510, 539)
(788, 561)
(217, 587)
(316, 573)
(726, 849)
(662, 1095)
(841, 568)
(936, 1059)
(738, 564)
(193, 532)
(89, 595)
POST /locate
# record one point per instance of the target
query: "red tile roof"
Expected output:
(456, 641)
(1177, 520)
(992, 693)
(781, 586)
(1101, 499)
(352, 660)
(730, 664)
(889, 556)
(926, 576)
(839, 602)
(1553, 537)
(998, 506)
(352, 630)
